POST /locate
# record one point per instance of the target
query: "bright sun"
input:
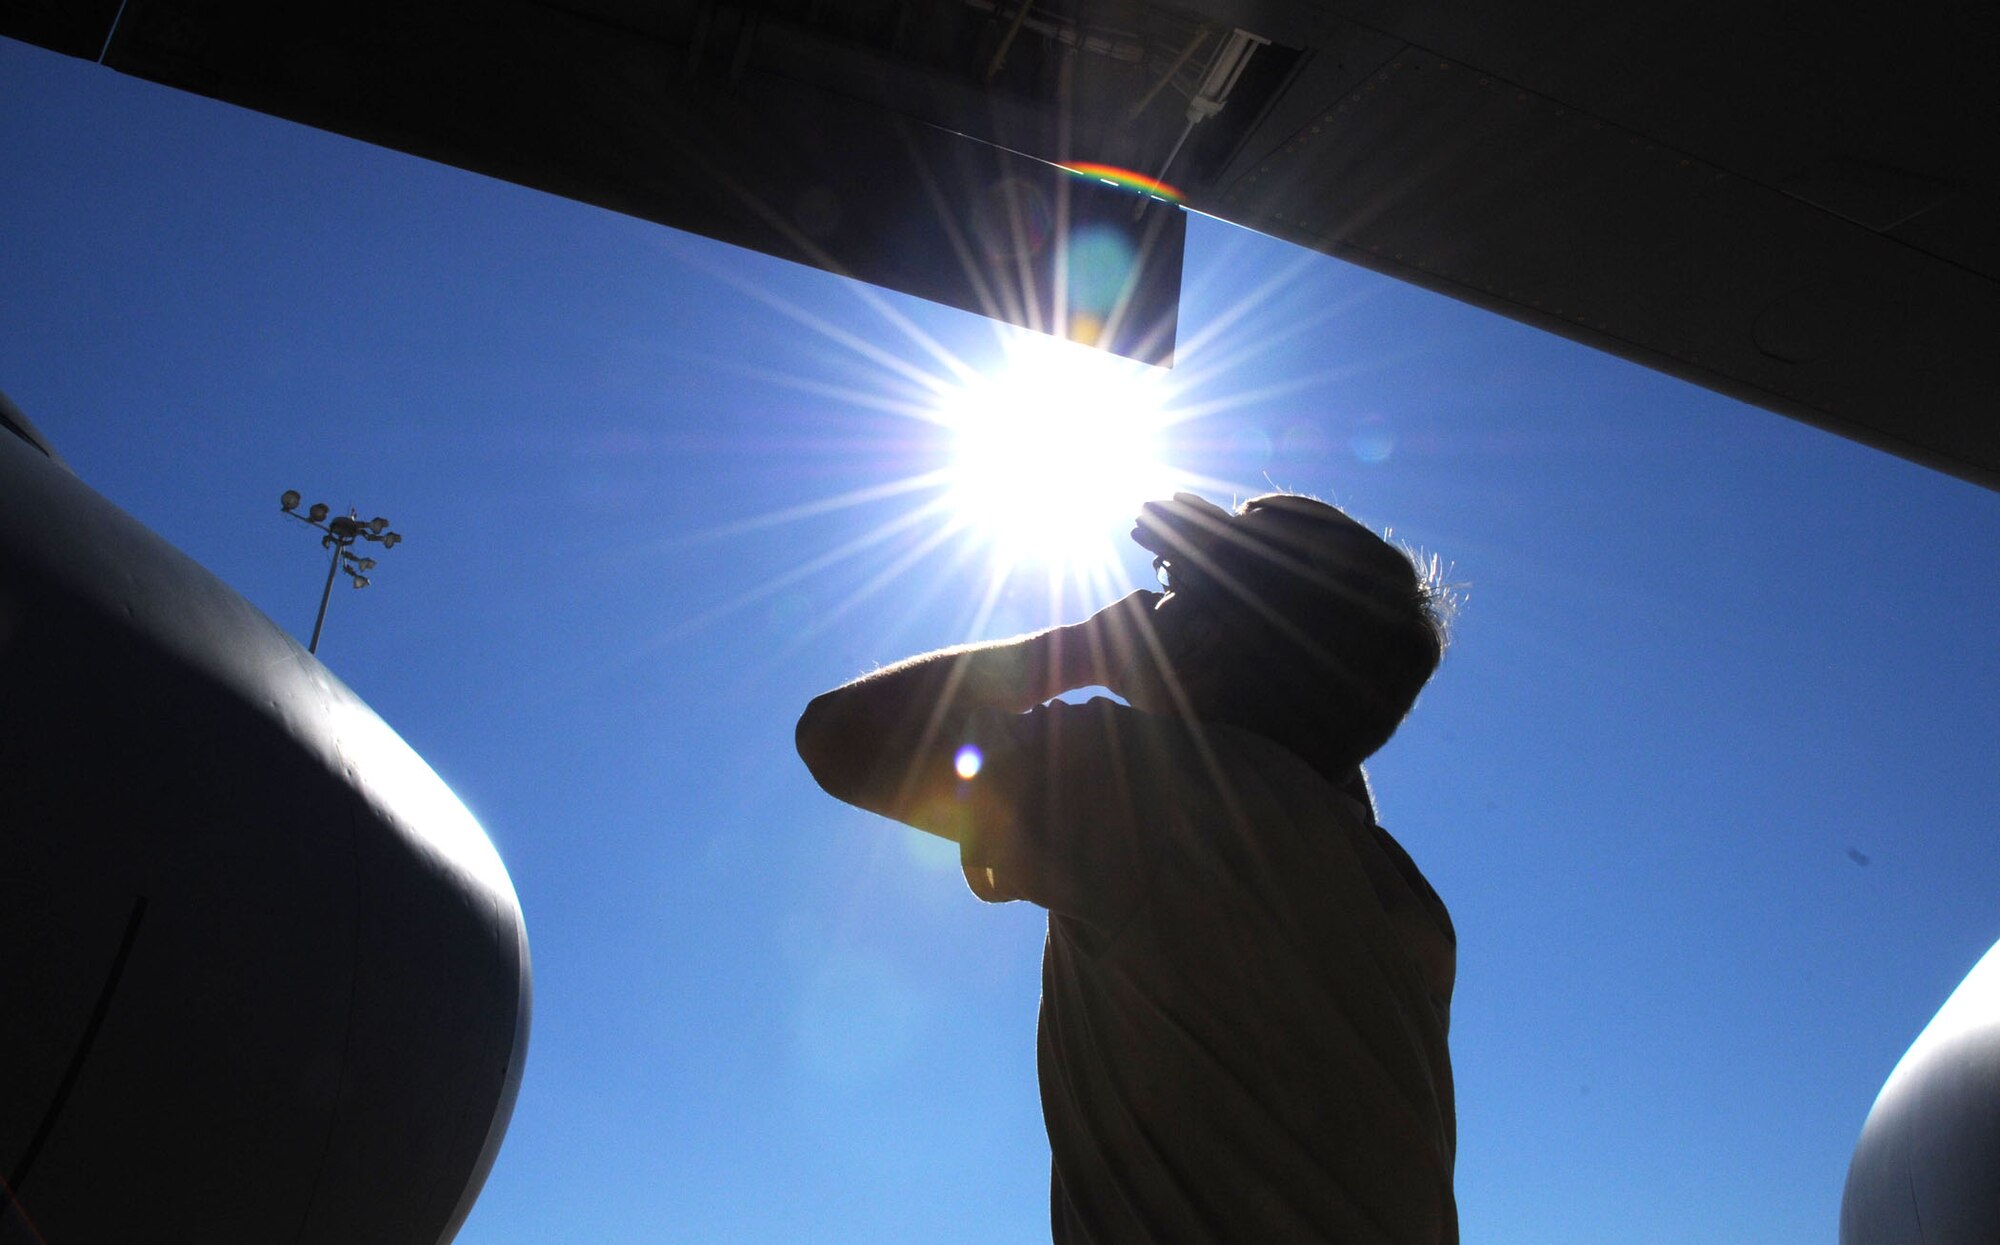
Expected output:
(1054, 453)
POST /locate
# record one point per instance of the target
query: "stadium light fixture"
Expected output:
(339, 534)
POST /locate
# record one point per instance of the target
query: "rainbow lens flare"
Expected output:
(1126, 179)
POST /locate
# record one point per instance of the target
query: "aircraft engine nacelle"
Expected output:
(262, 976)
(1927, 1168)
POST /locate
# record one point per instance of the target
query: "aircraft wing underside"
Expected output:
(1783, 207)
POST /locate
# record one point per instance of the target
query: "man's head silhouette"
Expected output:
(1286, 618)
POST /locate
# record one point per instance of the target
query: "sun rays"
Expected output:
(1053, 453)
(995, 481)
(1025, 475)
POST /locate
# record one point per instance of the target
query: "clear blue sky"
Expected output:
(1707, 652)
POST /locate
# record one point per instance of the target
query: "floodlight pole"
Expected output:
(326, 594)
(341, 531)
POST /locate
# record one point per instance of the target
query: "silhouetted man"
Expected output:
(1246, 985)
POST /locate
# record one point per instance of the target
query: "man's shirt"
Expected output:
(1245, 990)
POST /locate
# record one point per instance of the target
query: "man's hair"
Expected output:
(1335, 630)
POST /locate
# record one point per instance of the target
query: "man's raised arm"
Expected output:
(885, 742)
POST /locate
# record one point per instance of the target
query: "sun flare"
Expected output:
(1053, 453)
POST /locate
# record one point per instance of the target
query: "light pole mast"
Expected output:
(341, 531)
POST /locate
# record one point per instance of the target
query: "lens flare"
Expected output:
(967, 762)
(1102, 266)
(1372, 442)
(1126, 179)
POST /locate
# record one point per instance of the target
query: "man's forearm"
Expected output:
(885, 741)
(863, 740)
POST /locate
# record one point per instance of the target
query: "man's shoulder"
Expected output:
(1093, 708)
(1419, 885)
(1116, 719)
(1102, 722)
(1214, 757)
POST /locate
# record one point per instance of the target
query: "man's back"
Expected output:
(1246, 988)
